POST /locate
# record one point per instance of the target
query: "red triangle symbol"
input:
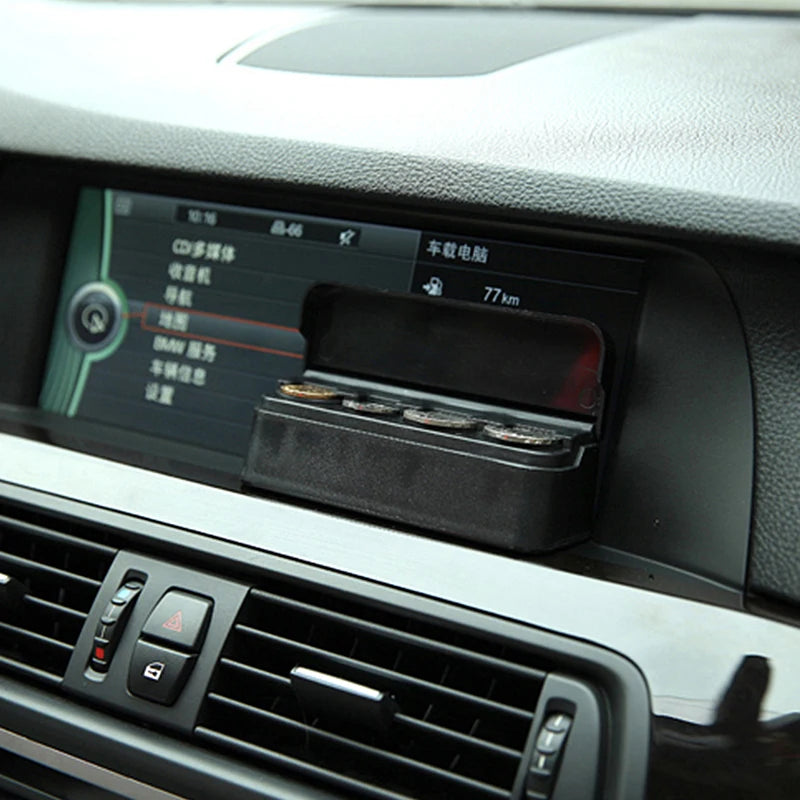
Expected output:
(174, 623)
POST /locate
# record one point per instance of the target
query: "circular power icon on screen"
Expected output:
(94, 316)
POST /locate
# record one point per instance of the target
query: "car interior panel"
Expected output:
(399, 401)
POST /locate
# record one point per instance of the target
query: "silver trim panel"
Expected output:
(82, 770)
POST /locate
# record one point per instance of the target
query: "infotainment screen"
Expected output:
(175, 316)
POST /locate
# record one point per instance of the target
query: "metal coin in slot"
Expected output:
(524, 435)
(374, 408)
(446, 420)
(309, 391)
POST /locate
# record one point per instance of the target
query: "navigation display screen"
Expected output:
(175, 316)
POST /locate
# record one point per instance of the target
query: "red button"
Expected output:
(100, 653)
(179, 620)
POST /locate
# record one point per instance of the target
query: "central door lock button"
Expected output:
(157, 673)
(180, 620)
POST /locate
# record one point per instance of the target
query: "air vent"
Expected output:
(462, 706)
(61, 574)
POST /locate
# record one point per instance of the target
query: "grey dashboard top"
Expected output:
(683, 125)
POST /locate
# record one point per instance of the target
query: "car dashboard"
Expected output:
(398, 402)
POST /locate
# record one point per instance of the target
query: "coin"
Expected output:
(308, 391)
(525, 435)
(370, 407)
(447, 420)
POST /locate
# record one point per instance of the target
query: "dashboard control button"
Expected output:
(101, 654)
(544, 762)
(540, 781)
(104, 632)
(549, 742)
(157, 673)
(112, 614)
(126, 593)
(94, 316)
(112, 624)
(179, 619)
(541, 774)
(558, 723)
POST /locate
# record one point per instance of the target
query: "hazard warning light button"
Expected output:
(179, 619)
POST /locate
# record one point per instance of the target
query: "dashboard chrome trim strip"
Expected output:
(80, 769)
(687, 651)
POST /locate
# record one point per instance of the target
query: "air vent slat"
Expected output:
(32, 672)
(400, 718)
(309, 732)
(470, 741)
(254, 671)
(363, 788)
(62, 539)
(56, 608)
(456, 709)
(490, 705)
(37, 637)
(61, 574)
(399, 636)
(34, 649)
(28, 564)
